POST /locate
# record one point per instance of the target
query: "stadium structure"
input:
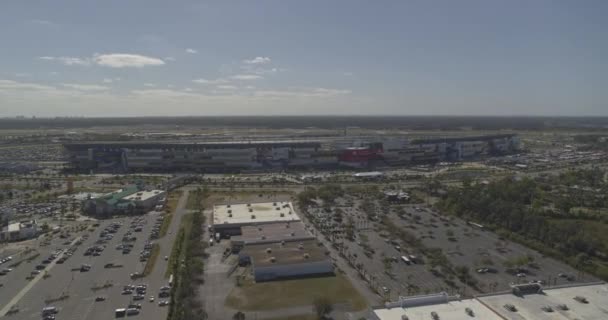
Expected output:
(234, 156)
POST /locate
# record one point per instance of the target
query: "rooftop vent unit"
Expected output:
(259, 228)
(253, 216)
(306, 256)
(404, 317)
(274, 203)
(249, 204)
(282, 215)
(547, 309)
(581, 299)
(229, 215)
(250, 210)
(268, 250)
(227, 206)
(229, 211)
(510, 307)
(263, 237)
(434, 315)
(278, 208)
(301, 246)
(469, 311)
(293, 234)
(273, 259)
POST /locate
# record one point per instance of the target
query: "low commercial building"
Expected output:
(529, 301)
(130, 200)
(286, 260)
(271, 233)
(229, 218)
(19, 231)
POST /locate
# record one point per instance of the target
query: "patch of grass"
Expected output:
(170, 211)
(300, 292)
(154, 252)
(177, 252)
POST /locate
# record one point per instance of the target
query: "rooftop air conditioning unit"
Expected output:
(263, 237)
(253, 216)
(273, 259)
(306, 256)
(250, 210)
(268, 250)
(282, 214)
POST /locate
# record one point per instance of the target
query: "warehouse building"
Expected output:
(523, 302)
(271, 233)
(229, 218)
(286, 260)
(19, 231)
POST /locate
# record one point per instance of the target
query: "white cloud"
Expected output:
(169, 59)
(246, 77)
(113, 60)
(302, 93)
(85, 87)
(207, 81)
(107, 80)
(257, 60)
(68, 61)
(22, 74)
(125, 60)
(188, 89)
(226, 87)
(250, 87)
(149, 85)
(191, 51)
(15, 85)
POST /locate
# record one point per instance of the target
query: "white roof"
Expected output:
(16, 226)
(263, 211)
(529, 306)
(143, 195)
(453, 310)
(369, 174)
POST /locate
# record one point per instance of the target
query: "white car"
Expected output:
(163, 303)
(151, 298)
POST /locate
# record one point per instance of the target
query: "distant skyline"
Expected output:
(179, 58)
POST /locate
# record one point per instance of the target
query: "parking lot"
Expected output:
(376, 251)
(98, 278)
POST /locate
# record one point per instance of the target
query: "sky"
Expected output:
(285, 57)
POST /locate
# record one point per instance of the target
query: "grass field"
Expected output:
(170, 210)
(177, 252)
(151, 260)
(278, 294)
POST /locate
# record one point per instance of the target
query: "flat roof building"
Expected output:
(288, 260)
(524, 302)
(271, 233)
(229, 218)
(19, 231)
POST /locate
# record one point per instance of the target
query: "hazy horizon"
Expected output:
(294, 58)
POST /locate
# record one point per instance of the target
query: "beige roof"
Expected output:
(453, 310)
(248, 213)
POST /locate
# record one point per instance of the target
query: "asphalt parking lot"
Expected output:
(376, 254)
(81, 288)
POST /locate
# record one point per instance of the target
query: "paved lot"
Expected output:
(67, 279)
